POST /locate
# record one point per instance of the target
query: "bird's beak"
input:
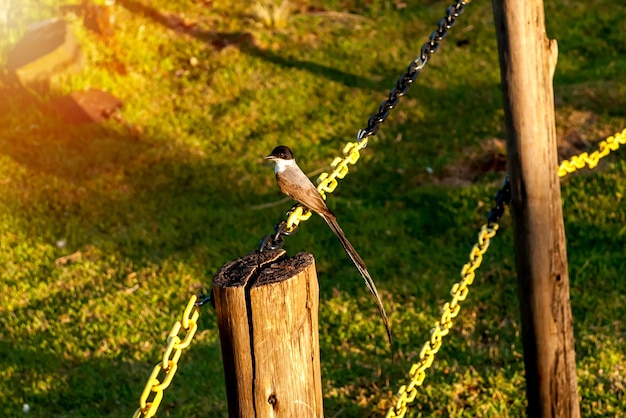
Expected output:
(269, 157)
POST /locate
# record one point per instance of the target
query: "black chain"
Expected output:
(503, 198)
(404, 82)
(204, 299)
(276, 240)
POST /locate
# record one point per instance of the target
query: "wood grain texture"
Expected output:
(267, 313)
(527, 63)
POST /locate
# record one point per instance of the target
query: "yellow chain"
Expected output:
(327, 183)
(451, 309)
(407, 393)
(169, 364)
(577, 162)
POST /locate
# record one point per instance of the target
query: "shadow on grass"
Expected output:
(142, 199)
(102, 386)
(146, 196)
(245, 42)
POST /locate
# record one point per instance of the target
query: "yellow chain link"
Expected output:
(169, 364)
(407, 393)
(327, 183)
(605, 147)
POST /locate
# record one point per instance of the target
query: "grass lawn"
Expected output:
(153, 204)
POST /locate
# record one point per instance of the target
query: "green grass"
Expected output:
(157, 204)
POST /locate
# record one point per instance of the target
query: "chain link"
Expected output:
(152, 394)
(328, 182)
(503, 198)
(577, 162)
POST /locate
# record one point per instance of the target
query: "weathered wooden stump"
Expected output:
(267, 311)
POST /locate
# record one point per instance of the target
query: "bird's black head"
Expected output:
(282, 152)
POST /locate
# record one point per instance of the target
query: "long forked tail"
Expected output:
(360, 265)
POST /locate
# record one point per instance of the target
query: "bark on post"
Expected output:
(267, 312)
(527, 63)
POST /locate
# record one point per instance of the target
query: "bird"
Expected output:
(293, 182)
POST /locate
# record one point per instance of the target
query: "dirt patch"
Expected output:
(475, 164)
(576, 132)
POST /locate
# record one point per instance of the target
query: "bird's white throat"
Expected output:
(282, 165)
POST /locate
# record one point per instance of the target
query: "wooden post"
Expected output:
(527, 63)
(267, 312)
